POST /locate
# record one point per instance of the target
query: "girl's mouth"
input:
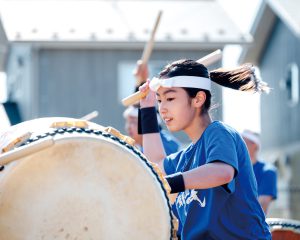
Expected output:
(168, 120)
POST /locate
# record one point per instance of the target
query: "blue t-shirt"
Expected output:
(231, 211)
(266, 177)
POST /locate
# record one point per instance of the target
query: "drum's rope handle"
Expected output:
(46, 140)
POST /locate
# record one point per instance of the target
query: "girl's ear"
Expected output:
(199, 99)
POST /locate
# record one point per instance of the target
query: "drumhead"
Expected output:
(88, 185)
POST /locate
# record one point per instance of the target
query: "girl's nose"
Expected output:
(162, 108)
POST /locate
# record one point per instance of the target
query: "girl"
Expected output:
(214, 178)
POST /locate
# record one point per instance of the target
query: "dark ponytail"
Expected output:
(242, 78)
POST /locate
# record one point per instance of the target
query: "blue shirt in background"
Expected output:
(266, 177)
(171, 144)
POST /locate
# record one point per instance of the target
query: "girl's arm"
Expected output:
(153, 149)
(265, 201)
(152, 143)
(208, 176)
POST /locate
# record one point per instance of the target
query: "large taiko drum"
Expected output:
(284, 229)
(69, 179)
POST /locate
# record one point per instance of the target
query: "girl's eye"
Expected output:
(170, 99)
(158, 100)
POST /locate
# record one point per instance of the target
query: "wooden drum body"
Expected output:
(82, 183)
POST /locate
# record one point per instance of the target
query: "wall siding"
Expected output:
(280, 122)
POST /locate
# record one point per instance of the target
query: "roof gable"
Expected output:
(286, 10)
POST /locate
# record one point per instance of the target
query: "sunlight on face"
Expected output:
(174, 108)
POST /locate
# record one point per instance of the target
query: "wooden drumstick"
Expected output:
(90, 116)
(206, 60)
(148, 47)
(210, 58)
(24, 151)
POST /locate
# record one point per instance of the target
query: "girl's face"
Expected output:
(175, 108)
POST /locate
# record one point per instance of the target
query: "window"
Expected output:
(291, 84)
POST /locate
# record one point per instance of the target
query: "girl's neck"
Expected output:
(198, 127)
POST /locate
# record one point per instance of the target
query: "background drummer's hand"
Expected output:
(150, 99)
(141, 71)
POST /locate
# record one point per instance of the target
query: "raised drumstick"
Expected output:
(148, 47)
(206, 60)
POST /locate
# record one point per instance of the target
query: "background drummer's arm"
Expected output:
(153, 149)
(141, 72)
(265, 201)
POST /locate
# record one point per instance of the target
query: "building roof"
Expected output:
(186, 23)
(286, 10)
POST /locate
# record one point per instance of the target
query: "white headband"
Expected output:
(251, 136)
(181, 81)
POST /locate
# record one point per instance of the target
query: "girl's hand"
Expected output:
(150, 99)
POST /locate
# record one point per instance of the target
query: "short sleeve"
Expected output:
(221, 146)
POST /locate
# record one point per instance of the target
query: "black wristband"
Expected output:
(139, 122)
(176, 182)
(147, 121)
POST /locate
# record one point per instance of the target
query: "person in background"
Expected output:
(171, 144)
(131, 125)
(265, 173)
